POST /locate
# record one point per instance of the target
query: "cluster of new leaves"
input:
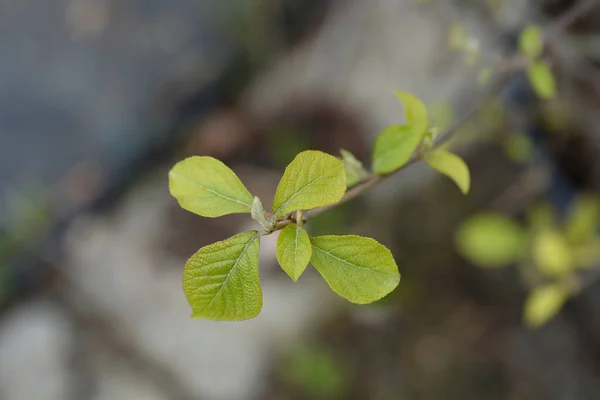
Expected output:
(221, 281)
(549, 254)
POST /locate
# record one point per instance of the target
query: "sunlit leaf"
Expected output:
(394, 147)
(544, 303)
(583, 220)
(530, 42)
(359, 269)
(551, 253)
(355, 171)
(452, 166)
(221, 279)
(293, 250)
(490, 240)
(415, 112)
(542, 80)
(313, 179)
(207, 187)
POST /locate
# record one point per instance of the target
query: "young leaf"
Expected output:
(415, 113)
(394, 147)
(485, 75)
(359, 269)
(313, 179)
(452, 166)
(355, 172)
(530, 42)
(582, 222)
(258, 213)
(221, 282)
(544, 303)
(293, 250)
(542, 80)
(207, 187)
(490, 240)
(551, 253)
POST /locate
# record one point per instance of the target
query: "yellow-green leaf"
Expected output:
(293, 250)
(207, 187)
(313, 179)
(415, 112)
(551, 253)
(530, 42)
(359, 269)
(394, 147)
(485, 75)
(490, 240)
(221, 281)
(544, 303)
(452, 166)
(355, 171)
(583, 220)
(258, 214)
(518, 147)
(457, 37)
(542, 80)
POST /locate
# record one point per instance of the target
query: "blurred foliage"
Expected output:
(316, 370)
(549, 251)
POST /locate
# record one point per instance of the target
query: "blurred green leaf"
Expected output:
(221, 282)
(490, 240)
(293, 250)
(452, 166)
(207, 187)
(393, 148)
(415, 112)
(541, 216)
(317, 371)
(357, 268)
(485, 75)
(551, 253)
(530, 42)
(583, 220)
(313, 179)
(542, 80)
(543, 303)
(355, 171)
(518, 147)
(457, 36)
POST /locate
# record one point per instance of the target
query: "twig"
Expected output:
(374, 179)
(570, 17)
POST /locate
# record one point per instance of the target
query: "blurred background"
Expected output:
(99, 98)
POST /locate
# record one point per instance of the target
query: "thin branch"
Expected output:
(374, 179)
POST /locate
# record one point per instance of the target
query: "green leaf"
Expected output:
(358, 269)
(518, 147)
(313, 179)
(221, 279)
(457, 37)
(490, 240)
(542, 80)
(415, 113)
(530, 42)
(485, 75)
(258, 214)
(293, 250)
(207, 187)
(544, 303)
(551, 253)
(394, 147)
(355, 172)
(452, 166)
(582, 222)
